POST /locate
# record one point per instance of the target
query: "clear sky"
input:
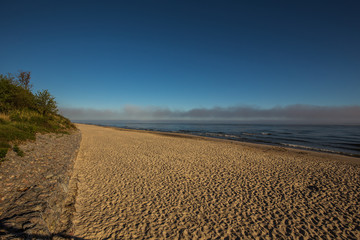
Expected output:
(177, 56)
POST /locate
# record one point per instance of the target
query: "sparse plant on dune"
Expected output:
(18, 151)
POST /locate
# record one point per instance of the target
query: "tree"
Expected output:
(24, 79)
(45, 102)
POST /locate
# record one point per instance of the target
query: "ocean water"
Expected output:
(339, 139)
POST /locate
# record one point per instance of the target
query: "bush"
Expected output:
(18, 151)
(45, 102)
(3, 152)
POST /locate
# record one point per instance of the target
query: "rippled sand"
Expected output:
(144, 185)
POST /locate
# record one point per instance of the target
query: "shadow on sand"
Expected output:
(21, 234)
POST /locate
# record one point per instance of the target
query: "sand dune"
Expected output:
(144, 185)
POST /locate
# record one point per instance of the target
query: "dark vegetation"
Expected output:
(24, 113)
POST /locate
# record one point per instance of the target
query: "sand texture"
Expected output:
(140, 185)
(35, 195)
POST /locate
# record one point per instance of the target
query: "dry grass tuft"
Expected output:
(4, 117)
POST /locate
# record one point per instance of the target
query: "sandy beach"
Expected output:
(143, 185)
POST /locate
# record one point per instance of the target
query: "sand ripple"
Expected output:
(143, 185)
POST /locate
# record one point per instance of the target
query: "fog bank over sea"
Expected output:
(292, 114)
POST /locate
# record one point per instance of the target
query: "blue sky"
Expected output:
(184, 55)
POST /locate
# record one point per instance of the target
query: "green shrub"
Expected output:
(45, 103)
(18, 151)
(3, 152)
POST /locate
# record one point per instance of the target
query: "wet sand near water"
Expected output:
(143, 185)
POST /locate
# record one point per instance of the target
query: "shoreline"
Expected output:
(143, 184)
(349, 157)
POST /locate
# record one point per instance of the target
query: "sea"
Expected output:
(339, 139)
